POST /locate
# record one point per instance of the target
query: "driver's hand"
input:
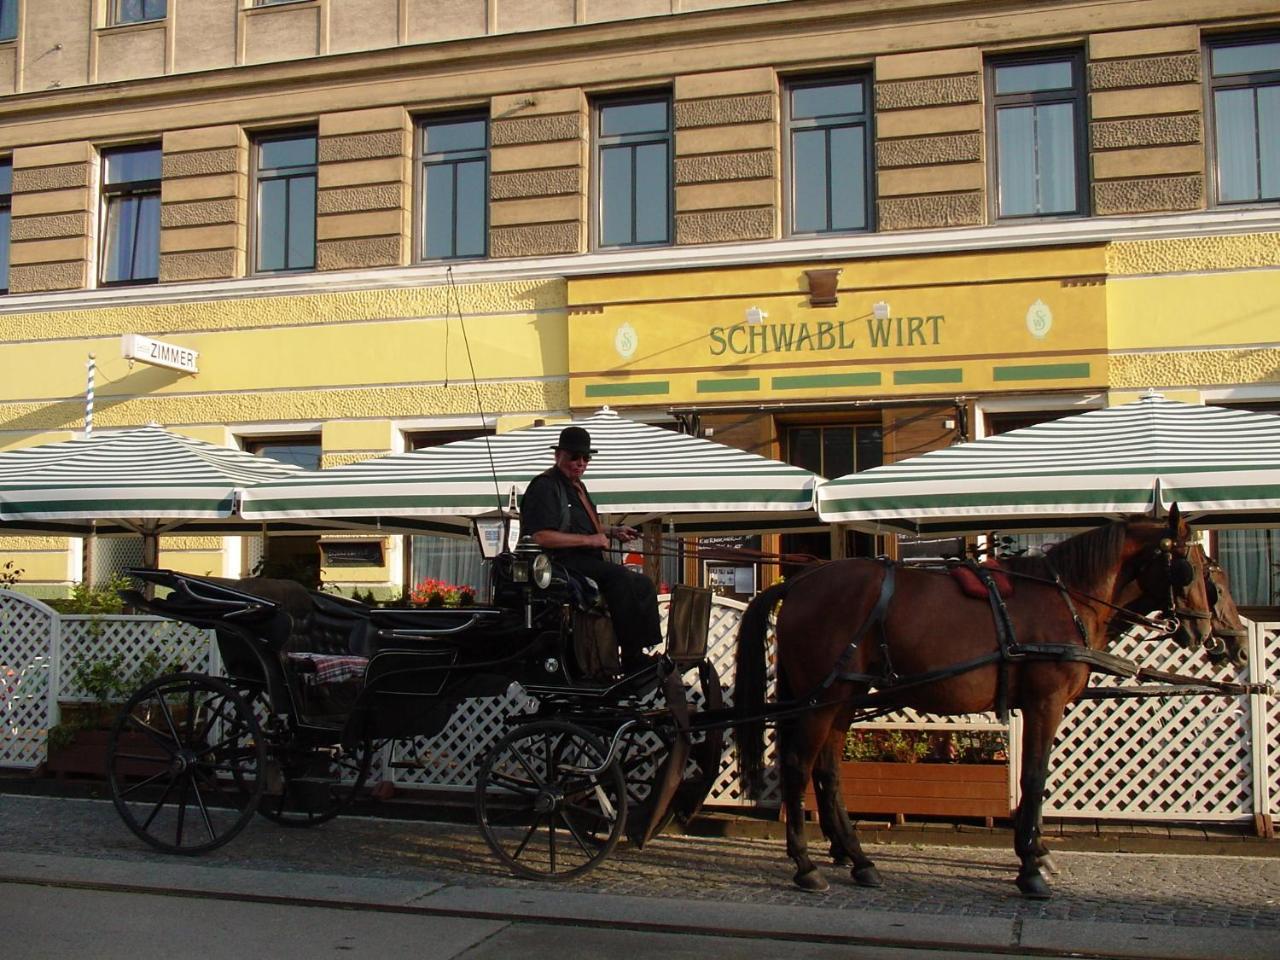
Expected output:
(625, 533)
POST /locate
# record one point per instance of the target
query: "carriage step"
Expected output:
(310, 794)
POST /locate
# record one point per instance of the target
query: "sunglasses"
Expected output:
(584, 457)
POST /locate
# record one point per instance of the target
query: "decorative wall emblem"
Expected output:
(625, 341)
(1039, 319)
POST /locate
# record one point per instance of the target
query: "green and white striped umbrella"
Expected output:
(640, 472)
(142, 480)
(1222, 467)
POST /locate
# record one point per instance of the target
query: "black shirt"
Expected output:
(543, 508)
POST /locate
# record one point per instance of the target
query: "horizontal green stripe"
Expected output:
(114, 505)
(1140, 500)
(827, 380)
(1042, 371)
(637, 388)
(729, 386)
(907, 377)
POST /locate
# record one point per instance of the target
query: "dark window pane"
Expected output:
(805, 448)
(298, 453)
(848, 201)
(1237, 143)
(1016, 159)
(454, 135)
(132, 238)
(291, 152)
(470, 202)
(837, 451)
(5, 217)
(828, 100)
(1269, 137)
(870, 444)
(1246, 58)
(809, 178)
(127, 166)
(136, 11)
(8, 19)
(652, 190)
(616, 181)
(6, 178)
(302, 222)
(633, 118)
(439, 202)
(272, 200)
(1032, 77)
(1056, 153)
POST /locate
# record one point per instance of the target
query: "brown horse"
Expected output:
(1230, 640)
(850, 625)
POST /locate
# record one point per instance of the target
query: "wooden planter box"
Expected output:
(86, 754)
(924, 789)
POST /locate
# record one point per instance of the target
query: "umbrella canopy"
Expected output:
(639, 472)
(1222, 467)
(144, 480)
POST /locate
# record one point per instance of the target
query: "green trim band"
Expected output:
(827, 380)
(1042, 371)
(645, 388)
(908, 377)
(729, 386)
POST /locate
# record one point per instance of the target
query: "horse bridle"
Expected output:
(1179, 573)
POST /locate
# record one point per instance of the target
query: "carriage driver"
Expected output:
(557, 512)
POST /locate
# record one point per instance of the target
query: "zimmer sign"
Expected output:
(158, 353)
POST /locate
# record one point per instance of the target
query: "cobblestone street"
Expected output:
(1132, 888)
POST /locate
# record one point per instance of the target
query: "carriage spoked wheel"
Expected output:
(541, 806)
(308, 781)
(185, 763)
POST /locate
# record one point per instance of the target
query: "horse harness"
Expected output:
(1009, 650)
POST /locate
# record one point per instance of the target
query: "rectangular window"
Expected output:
(138, 11)
(633, 171)
(1245, 81)
(1038, 117)
(829, 160)
(8, 19)
(289, 557)
(6, 220)
(454, 162)
(285, 211)
(130, 215)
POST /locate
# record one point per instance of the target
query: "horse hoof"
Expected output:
(867, 876)
(1047, 863)
(840, 859)
(1034, 887)
(812, 882)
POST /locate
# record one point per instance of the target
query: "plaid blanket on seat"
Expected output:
(322, 669)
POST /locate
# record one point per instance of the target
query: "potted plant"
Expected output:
(944, 773)
(438, 593)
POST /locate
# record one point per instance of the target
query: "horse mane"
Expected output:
(1080, 560)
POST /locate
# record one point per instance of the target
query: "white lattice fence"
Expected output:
(1265, 654)
(39, 651)
(28, 639)
(1159, 758)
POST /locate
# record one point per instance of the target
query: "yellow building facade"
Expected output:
(938, 310)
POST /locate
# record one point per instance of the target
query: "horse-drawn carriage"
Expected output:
(313, 682)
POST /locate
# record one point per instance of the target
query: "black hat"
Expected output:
(574, 440)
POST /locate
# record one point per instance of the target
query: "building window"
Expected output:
(633, 164)
(131, 215)
(286, 557)
(454, 157)
(831, 450)
(1245, 80)
(829, 139)
(1038, 119)
(138, 11)
(6, 220)
(8, 19)
(285, 213)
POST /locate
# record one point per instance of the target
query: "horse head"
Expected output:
(1172, 576)
(1230, 635)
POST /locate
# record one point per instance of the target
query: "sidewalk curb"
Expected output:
(1027, 937)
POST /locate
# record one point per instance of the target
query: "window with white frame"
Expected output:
(138, 11)
(828, 155)
(454, 187)
(1038, 118)
(1244, 76)
(130, 215)
(633, 145)
(284, 174)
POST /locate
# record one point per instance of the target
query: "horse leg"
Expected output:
(1039, 726)
(836, 826)
(795, 746)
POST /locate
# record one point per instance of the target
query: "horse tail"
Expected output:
(749, 685)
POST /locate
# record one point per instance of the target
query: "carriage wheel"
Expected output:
(541, 810)
(185, 763)
(317, 783)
